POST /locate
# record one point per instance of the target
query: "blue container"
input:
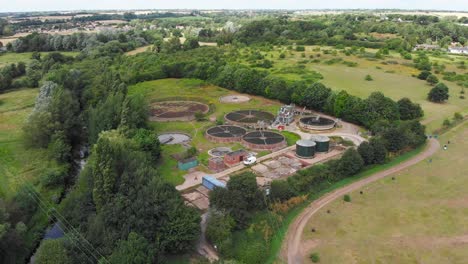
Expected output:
(210, 183)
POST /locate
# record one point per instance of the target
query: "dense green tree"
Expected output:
(409, 110)
(148, 141)
(379, 150)
(367, 153)
(52, 251)
(171, 45)
(134, 250)
(191, 43)
(314, 96)
(281, 191)
(349, 164)
(239, 199)
(219, 227)
(439, 93)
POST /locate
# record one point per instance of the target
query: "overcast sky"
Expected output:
(52, 5)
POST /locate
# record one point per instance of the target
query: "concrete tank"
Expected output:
(323, 143)
(305, 148)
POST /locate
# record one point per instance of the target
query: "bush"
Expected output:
(347, 198)
(315, 257)
(432, 79)
(368, 78)
(282, 56)
(300, 48)
(54, 177)
(423, 75)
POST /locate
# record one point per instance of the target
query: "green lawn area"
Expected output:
(192, 89)
(10, 57)
(421, 217)
(392, 76)
(17, 164)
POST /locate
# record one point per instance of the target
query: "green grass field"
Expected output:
(392, 76)
(10, 57)
(17, 164)
(421, 217)
(193, 89)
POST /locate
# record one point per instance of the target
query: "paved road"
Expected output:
(292, 243)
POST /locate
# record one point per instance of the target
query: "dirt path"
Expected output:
(292, 249)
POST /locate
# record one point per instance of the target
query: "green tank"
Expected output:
(323, 143)
(305, 148)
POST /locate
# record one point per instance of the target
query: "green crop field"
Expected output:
(17, 164)
(193, 89)
(391, 76)
(8, 58)
(420, 217)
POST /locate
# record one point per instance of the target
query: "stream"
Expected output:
(54, 230)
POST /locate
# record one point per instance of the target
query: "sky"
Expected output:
(62, 5)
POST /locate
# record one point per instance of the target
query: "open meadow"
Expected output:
(392, 76)
(419, 217)
(17, 164)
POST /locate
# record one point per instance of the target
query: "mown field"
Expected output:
(420, 217)
(194, 90)
(8, 58)
(393, 76)
(17, 164)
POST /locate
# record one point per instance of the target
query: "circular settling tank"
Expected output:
(219, 151)
(176, 110)
(249, 117)
(322, 143)
(173, 138)
(264, 140)
(225, 133)
(305, 148)
(317, 123)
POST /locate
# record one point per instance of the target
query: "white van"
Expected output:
(250, 160)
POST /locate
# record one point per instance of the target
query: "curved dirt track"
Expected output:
(292, 242)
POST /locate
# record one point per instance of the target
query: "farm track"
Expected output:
(292, 249)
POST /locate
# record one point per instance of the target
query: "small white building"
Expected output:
(458, 50)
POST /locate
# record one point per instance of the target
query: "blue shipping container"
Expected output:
(211, 182)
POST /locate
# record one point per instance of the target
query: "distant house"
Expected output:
(458, 50)
(427, 47)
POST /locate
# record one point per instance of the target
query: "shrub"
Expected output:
(300, 48)
(347, 198)
(368, 78)
(54, 176)
(432, 79)
(315, 257)
(282, 56)
(423, 75)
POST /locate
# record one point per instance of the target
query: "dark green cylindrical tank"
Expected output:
(305, 148)
(323, 143)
